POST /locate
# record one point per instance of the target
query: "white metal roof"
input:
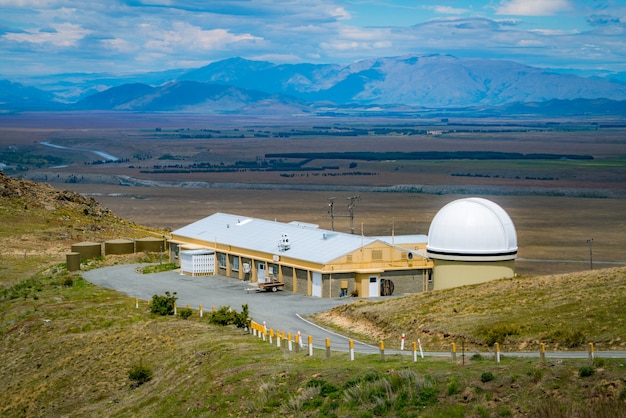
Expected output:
(402, 240)
(307, 242)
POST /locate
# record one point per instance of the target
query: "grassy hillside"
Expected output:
(68, 346)
(564, 312)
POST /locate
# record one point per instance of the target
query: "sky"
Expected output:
(43, 37)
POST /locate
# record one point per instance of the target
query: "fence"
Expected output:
(289, 342)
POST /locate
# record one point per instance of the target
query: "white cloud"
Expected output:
(447, 10)
(533, 7)
(62, 35)
(187, 37)
(119, 45)
(340, 13)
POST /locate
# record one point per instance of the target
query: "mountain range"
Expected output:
(406, 83)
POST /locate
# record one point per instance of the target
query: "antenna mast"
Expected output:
(351, 204)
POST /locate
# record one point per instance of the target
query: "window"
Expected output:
(222, 260)
(234, 263)
(377, 254)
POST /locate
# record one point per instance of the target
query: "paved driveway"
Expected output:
(280, 310)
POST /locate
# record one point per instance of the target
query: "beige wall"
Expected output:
(448, 274)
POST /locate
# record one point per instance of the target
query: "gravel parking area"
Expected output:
(280, 310)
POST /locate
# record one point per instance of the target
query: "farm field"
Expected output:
(196, 165)
(74, 345)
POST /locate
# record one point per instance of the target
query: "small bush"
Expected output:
(163, 305)
(567, 338)
(453, 386)
(486, 377)
(498, 333)
(535, 375)
(586, 371)
(140, 374)
(184, 313)
(68, 281)
(326, 389)
(227, 316)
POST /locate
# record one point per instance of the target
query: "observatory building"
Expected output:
(471, 241)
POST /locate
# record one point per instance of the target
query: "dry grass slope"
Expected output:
(563, 311)
(67, 346)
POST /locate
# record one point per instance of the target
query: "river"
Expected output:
(102, 154)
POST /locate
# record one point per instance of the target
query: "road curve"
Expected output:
(284, 311)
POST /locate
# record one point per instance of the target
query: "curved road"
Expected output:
(280, 311)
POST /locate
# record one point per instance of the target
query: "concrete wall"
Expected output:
(410, 281)
(448, 274)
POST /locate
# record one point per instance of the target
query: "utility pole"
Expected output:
(351, 204)
(331, 205)
(590, 243)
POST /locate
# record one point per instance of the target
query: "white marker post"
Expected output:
(352, 350)
(402, 343)
(419, 342)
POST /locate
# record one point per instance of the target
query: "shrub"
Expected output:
(326, 389)
(567, 338)
(163, 305)
(184, 313)
(453, 386)
(498, 332)
(68, 281)
(586, 371)
(486, 377)
(139, 373)
(227, 316)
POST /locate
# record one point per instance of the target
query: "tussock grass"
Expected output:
(563, 311)
(67, 347)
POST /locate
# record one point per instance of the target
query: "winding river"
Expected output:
(102, 154)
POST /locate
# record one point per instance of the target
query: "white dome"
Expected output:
(472, 229)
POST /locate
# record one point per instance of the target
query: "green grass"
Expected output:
(67, 346)
(157, 268)
(563, 311)
(73, 346)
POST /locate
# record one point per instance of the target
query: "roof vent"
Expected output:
(283, 244)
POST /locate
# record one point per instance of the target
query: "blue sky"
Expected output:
(40, 37)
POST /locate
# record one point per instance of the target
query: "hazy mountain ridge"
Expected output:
(427, 81)
(240, 85)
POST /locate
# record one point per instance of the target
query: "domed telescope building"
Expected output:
(470, 241)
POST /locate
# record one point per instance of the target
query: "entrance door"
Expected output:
(317, 284)
(260, 272)
(374, 289)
